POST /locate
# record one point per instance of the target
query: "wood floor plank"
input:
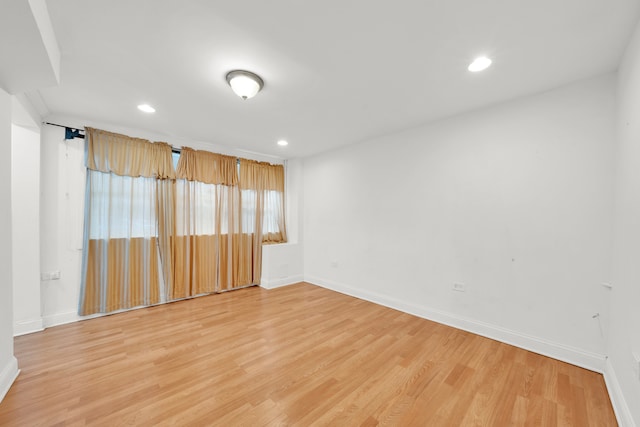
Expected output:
(297, 355)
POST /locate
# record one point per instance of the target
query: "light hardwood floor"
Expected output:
(298, 355)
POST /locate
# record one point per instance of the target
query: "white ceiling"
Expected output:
(29, 56)
(336, 72)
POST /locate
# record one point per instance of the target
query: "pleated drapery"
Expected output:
(262, 186)
(129, 191)
(153, 234)
(211, 251)
(208, 168)
(122, 155)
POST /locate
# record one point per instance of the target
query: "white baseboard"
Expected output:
(60, 318)
(23, 327)
(66, 317)
(277, 283)
(575, 356)
(72, 316)
(8, 375)
(620, 407)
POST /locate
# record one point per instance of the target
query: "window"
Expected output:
(156, 234)
(121, 206)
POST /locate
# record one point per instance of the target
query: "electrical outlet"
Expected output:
(334, 264)
(459, 287)
(50, 275)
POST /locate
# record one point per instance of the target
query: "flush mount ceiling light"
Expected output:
(146, 108)
(479, 64)
(283, 143)
(244, 83)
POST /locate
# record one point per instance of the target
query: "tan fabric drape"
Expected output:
(131, 277)
(166, 199)
(125, 156)
(128, 222)
(211, 252)
(261, 176)
(153, 234)
(207, 167)
(264, 183)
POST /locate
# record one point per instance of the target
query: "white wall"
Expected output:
(8, 363)
(624, 338)
(25, 202)
(61, 220)
(514, 202)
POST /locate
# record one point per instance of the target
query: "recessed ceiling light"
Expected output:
(146, 108)
(282, 143)
(479, 64)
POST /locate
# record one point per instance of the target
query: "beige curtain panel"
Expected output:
(211, 250)
(125, 156)
(153, 234)
(262, 186)
(131, 278)
(206, 167)
(261, 176)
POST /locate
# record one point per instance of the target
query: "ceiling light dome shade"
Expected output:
(479, 64)
(244, 83)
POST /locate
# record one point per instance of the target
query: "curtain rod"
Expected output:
(71, 133)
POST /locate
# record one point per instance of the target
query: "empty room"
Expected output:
(320, 213)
